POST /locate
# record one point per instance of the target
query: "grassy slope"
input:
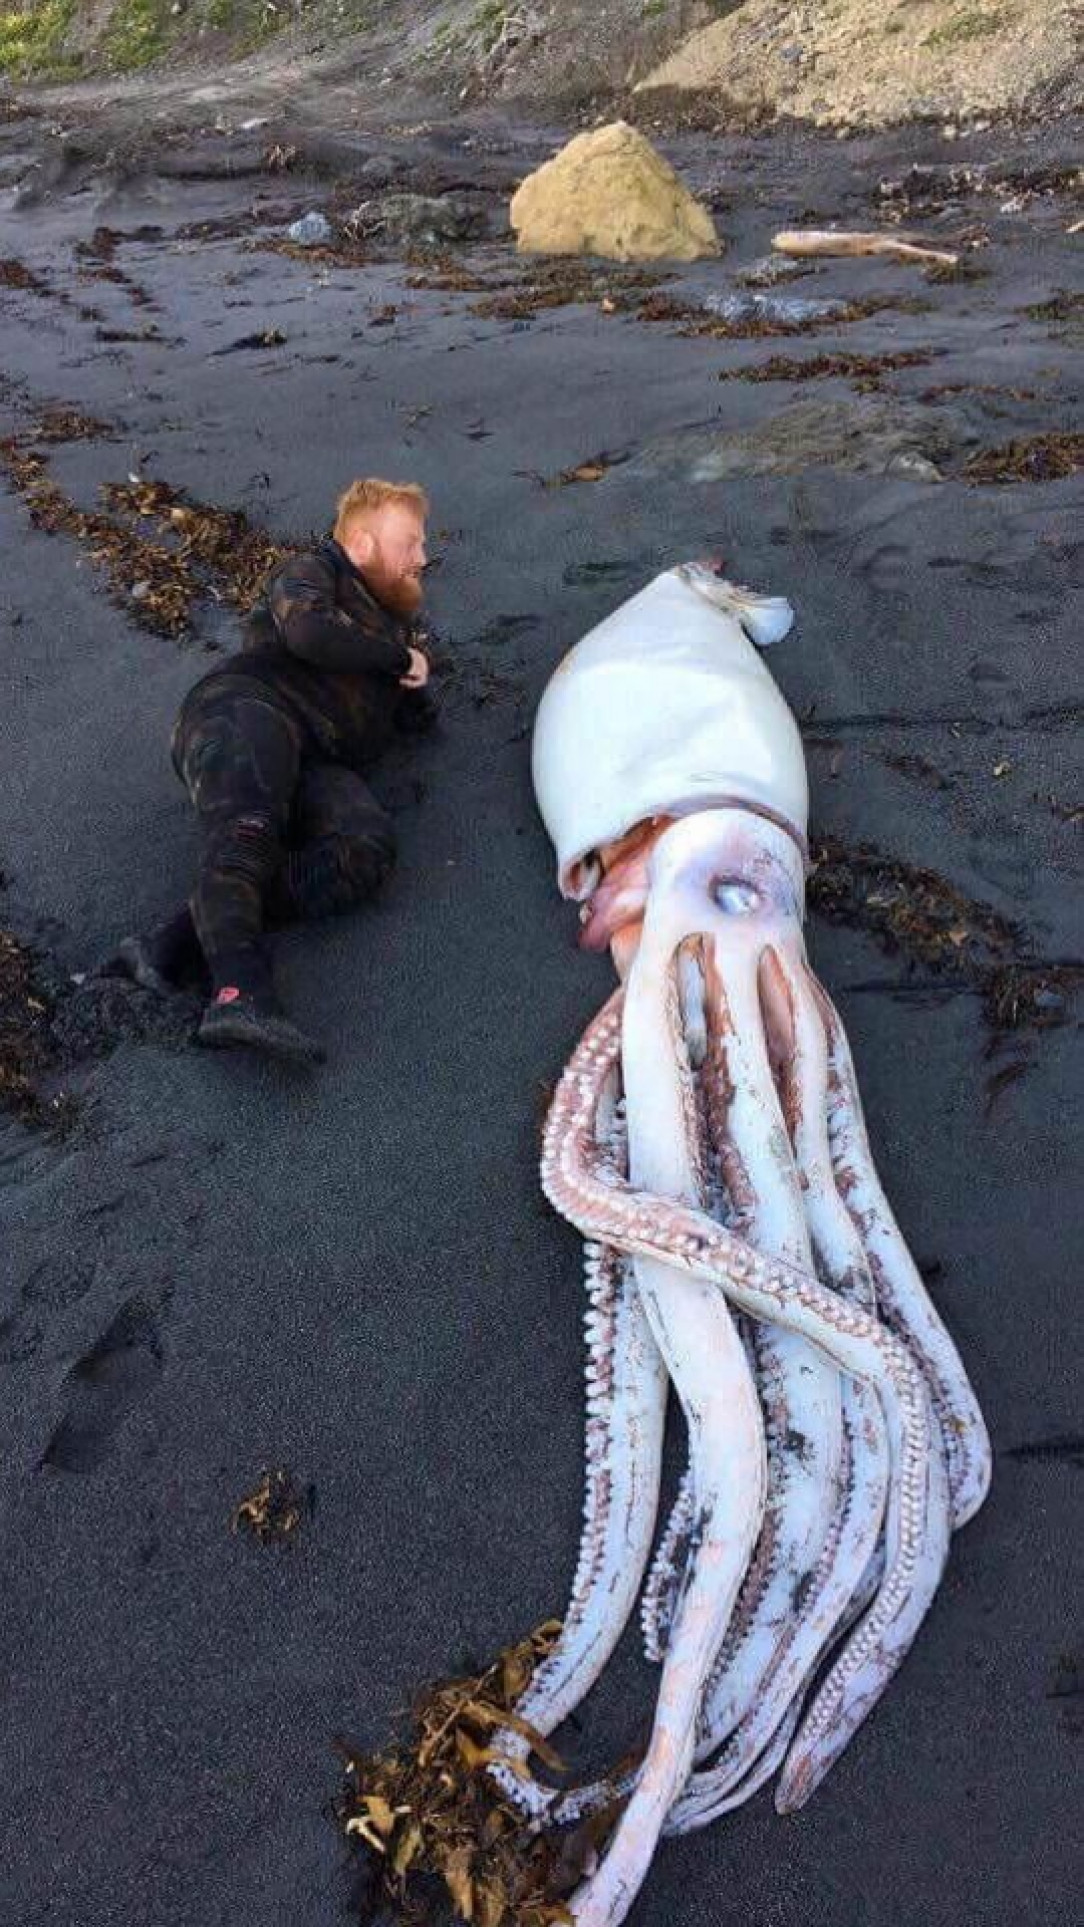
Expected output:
(40, 41)
(459, 39)
(32, 42)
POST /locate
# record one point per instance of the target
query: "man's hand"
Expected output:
(418, 674)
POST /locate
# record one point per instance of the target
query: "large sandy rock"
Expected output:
(608, 192)
(871, 63)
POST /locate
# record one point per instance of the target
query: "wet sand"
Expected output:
(221, 1268)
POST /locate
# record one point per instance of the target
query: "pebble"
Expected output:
(1048, 1000)
(917, 467)
(312, 231)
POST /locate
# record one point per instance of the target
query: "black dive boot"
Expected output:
(244, 1017)
(158, 959)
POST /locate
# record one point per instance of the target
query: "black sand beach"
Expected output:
(216, 1267)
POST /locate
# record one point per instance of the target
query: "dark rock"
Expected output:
(770, 269)
(423, 217)
(379, 170)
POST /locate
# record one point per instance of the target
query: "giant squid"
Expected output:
(707, 1140)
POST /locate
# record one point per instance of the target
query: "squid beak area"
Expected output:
(617, 921)
(619, 899)
(624, 945)
(607, 914)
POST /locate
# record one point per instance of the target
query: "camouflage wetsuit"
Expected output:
(270, 746)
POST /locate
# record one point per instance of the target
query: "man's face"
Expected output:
(389, 549)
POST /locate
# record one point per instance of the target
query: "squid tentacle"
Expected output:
(827, 1606)
(707, 1361)
(688, 1815)
(626, 1412)
(828, 1591)
(903, 1299)
(768, 1652)
(707, 1785)
(585, 1188)
(739, 1772)
(756, 1750)
(886, 1634)
(664, 1579)
(728, 1193)
(802, 1388)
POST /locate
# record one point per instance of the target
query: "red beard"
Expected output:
(401, 594)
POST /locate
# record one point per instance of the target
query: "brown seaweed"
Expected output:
(62, 424)
(916, 914)
(866, 371)
(1065, 305)
(201, 551)
(16, 275)
(565, 283)
(432, 1827)
(1032, 458)
(688, 320)
(273, 1510)
(26, 1044)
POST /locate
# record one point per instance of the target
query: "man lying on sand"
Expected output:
(271, 746)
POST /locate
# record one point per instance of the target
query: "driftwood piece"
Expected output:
(827, 241)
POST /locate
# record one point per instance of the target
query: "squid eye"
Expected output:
(734, 896)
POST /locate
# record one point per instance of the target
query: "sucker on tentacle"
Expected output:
(667, 1568)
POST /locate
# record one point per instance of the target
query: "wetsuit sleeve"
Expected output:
(417, 709)
(302, 601)
(416, 712)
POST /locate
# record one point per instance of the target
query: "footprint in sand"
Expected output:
(18, 1344)
(103, 1387)
(60, 1281)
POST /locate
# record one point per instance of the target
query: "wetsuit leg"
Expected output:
(163, 958)
(240, 760)
(344, 845)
